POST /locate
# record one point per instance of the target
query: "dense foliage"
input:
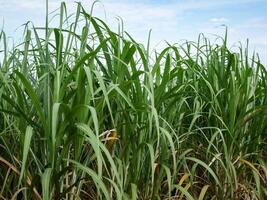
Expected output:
(87, 113)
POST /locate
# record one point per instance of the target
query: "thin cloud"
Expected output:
(219, 20)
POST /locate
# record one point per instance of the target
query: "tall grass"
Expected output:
(88, 113)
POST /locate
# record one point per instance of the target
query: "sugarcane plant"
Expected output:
(90, 113)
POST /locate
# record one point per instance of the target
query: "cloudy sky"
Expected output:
(173, 21)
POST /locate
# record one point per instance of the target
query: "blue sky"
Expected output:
(173, 21)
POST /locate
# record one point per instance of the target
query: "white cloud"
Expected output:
(219, 20)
